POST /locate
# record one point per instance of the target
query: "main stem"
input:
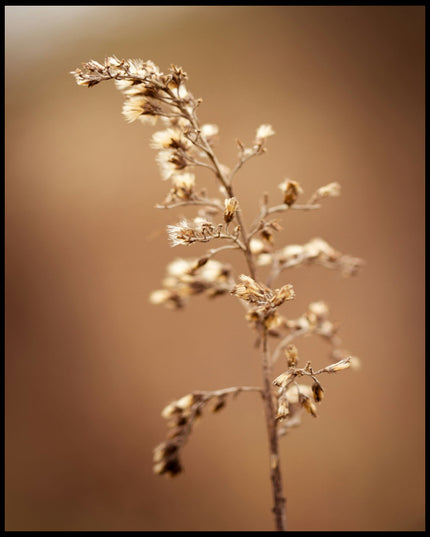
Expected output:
(279, 501)
(275, 471)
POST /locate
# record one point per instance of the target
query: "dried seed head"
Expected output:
(284, 379)
(249, 290)
(256, 246)
(182, 233)
(170, 161)
(273, 321)
(171, 138)
(209, 131)
(160, 296)
(138, 107)
(319, 309)
(219, 403)
(263, 298)
(317, 391)
(326, 329)
(171, 467)
(265, 259)
(292, 355)
(170, 410)
(317, 247)
(295, 391)
(231, 206)
(186, 402)
(283, 411)
(308, 405)
(330, 190)
(283, 294)
(183, 184)
(291, 190)
(187, 232)
(179, 267)
(263, 132)
(179, 408)
(338, 366)
(355, 363)
(291, 255)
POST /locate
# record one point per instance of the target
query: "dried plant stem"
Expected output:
(279, 501)
(185, 144)
(275, 470)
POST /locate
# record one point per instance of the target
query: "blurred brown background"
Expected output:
(90, 363)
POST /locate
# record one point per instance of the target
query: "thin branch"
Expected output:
(243, 158)
(226, 391)
(284, 342)
(205, 202)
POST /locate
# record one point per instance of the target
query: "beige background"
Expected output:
(90, 363)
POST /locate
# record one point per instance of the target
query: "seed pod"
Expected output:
(291, 190)
(231, 205)
(292, 355)
(317, 391)
(308, 405)
(220, 403)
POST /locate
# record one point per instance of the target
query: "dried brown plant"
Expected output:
(184, 145)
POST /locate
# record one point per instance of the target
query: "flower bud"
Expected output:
(308, 405)
(291, 190)
(317, 391)
(231, 205)
(292, 355)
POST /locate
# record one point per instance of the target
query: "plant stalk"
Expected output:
(279, 501)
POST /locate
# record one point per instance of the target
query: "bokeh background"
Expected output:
(90, 363)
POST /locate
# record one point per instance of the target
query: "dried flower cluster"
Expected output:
(181, 416)
(293, 396)
(183, 146)
(188, 277)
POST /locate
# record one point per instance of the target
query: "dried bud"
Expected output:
(317, 391)
(166, 460)
(263, 132)
(338, 366)
(296, 391)
(249, 290)
(262, 297)
(231, 205)
(284, 378)
(209, 131)
(330, 190)
(291, 190)
(183, 184)
(308, 405)
(186, 232)
(264, 260)
(283, 411)
(186, 402)
(200, 262)
(292, 355)
(220, 403)
(171, 138)
(160, 296)
(256, 246)
(273, 321)
(319, 309)
(267, 235)
(355, 363)
(281, 295)
(171, 467)
(327, 329)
